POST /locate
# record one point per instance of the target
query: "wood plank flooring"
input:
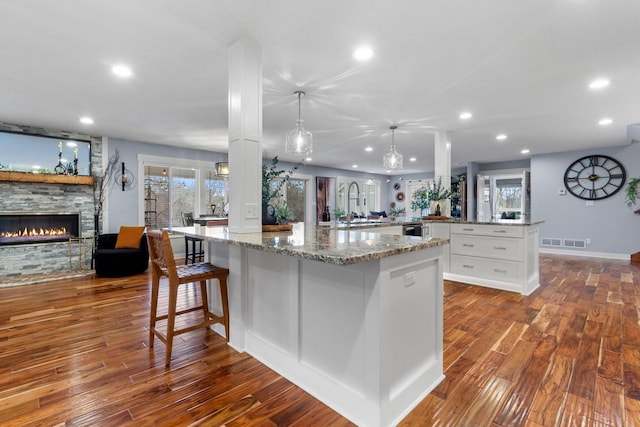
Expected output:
(74, 352)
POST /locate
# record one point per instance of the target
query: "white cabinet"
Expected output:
(497, 256)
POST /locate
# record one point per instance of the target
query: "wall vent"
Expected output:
(551, 241)
(573, 243)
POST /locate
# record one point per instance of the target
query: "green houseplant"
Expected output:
(631, 193)
(395, 212)
(274, 207)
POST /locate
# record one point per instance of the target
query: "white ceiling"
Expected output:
(521, 67)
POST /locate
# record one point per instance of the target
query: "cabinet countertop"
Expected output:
(335, 246)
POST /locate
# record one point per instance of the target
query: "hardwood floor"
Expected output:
(75, 352)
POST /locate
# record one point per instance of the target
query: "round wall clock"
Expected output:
(595, 177)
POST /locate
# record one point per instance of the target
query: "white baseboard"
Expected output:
(609, 255)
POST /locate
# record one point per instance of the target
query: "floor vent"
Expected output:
(550, 241)
(572, 243)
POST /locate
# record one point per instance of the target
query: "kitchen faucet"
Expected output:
(353, 183)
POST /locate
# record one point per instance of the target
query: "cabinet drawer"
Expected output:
(487, 247)
(505, 271)
(487, 230)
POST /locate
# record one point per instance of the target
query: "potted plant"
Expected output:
(395, 212)
(273, 179)
(339, 213)
(631, 193)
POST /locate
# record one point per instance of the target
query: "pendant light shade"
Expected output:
(392, 159)
(222, 168)
(299, 140)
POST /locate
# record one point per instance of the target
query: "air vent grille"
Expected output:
(551, 241)
(573, 243)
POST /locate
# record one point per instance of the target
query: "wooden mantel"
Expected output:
(46, 178)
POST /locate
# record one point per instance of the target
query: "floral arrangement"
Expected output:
(432, 192)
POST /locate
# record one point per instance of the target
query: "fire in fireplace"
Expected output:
(18, 228)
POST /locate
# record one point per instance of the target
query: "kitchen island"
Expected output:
(500, 254)
(354, 318)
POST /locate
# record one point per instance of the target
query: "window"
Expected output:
(171, 191)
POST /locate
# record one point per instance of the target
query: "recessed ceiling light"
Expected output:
(368, 149)
(86, 120)
(121, 70)
(412, 159)
(605, 121)
(466, 115)
(525, 151)
(363, 53)
(354, 166)
(599, 84)
(308, 159)
(501, 137)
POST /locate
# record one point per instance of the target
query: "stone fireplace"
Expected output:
(31, 200)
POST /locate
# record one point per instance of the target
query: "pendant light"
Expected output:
(392, 159)
(222, 168)
(299, 140)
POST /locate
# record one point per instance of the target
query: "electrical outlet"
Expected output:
(588, 241)
(251, 211)
(409, 279)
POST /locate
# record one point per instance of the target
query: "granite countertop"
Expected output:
(333, 246)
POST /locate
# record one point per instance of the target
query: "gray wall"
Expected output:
(609, 223)
(123, 205)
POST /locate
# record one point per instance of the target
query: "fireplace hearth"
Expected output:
(18, 228)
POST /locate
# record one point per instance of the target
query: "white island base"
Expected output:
(365, 338)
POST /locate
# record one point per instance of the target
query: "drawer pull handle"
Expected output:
(499, 231)
(467, 266)
(467, 245)
(467, 229)
(497, 270)
(500, 248)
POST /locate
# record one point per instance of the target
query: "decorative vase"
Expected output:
(268, 214)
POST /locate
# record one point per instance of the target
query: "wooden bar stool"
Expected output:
(192, 245)
(164, 264)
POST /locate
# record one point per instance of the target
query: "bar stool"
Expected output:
(163, 264)
(191, 242)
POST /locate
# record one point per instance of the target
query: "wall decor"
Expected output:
(400, 196)
(595, 177)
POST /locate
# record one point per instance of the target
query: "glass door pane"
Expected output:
(156, 197)
(183, 194)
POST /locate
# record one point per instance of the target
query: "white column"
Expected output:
(442, 163)
(245, 136)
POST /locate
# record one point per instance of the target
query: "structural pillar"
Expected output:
(442, 164)
(245, 137)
